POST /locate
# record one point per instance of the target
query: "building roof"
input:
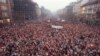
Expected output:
(90, 3)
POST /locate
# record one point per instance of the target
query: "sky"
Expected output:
(54, 5)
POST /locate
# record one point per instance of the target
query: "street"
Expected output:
(40, 39)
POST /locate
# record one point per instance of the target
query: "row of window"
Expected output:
(5, 14)
(92, 11)
(3, 1)
(91, 8)
(4, 11)
(4, 8)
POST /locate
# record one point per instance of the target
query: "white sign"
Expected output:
(8, 20)
(56, 27)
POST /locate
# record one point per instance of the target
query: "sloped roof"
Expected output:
(90, 3)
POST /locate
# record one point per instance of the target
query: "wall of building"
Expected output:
(90, 9)
(5, 11)
(25, 10)
(77, 9)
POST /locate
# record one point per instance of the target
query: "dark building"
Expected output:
(24, 10)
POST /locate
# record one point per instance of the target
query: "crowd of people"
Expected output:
(40, 39)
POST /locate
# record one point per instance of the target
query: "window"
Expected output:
(3, 1)
(8, 20)
(83, 8)
(5, 14)
(4, 7)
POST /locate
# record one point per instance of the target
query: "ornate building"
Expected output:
(6, 11)
(91, 9)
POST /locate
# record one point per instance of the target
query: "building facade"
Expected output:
(25, 10)
(5, 11)
(77, 10)
(90, 9)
